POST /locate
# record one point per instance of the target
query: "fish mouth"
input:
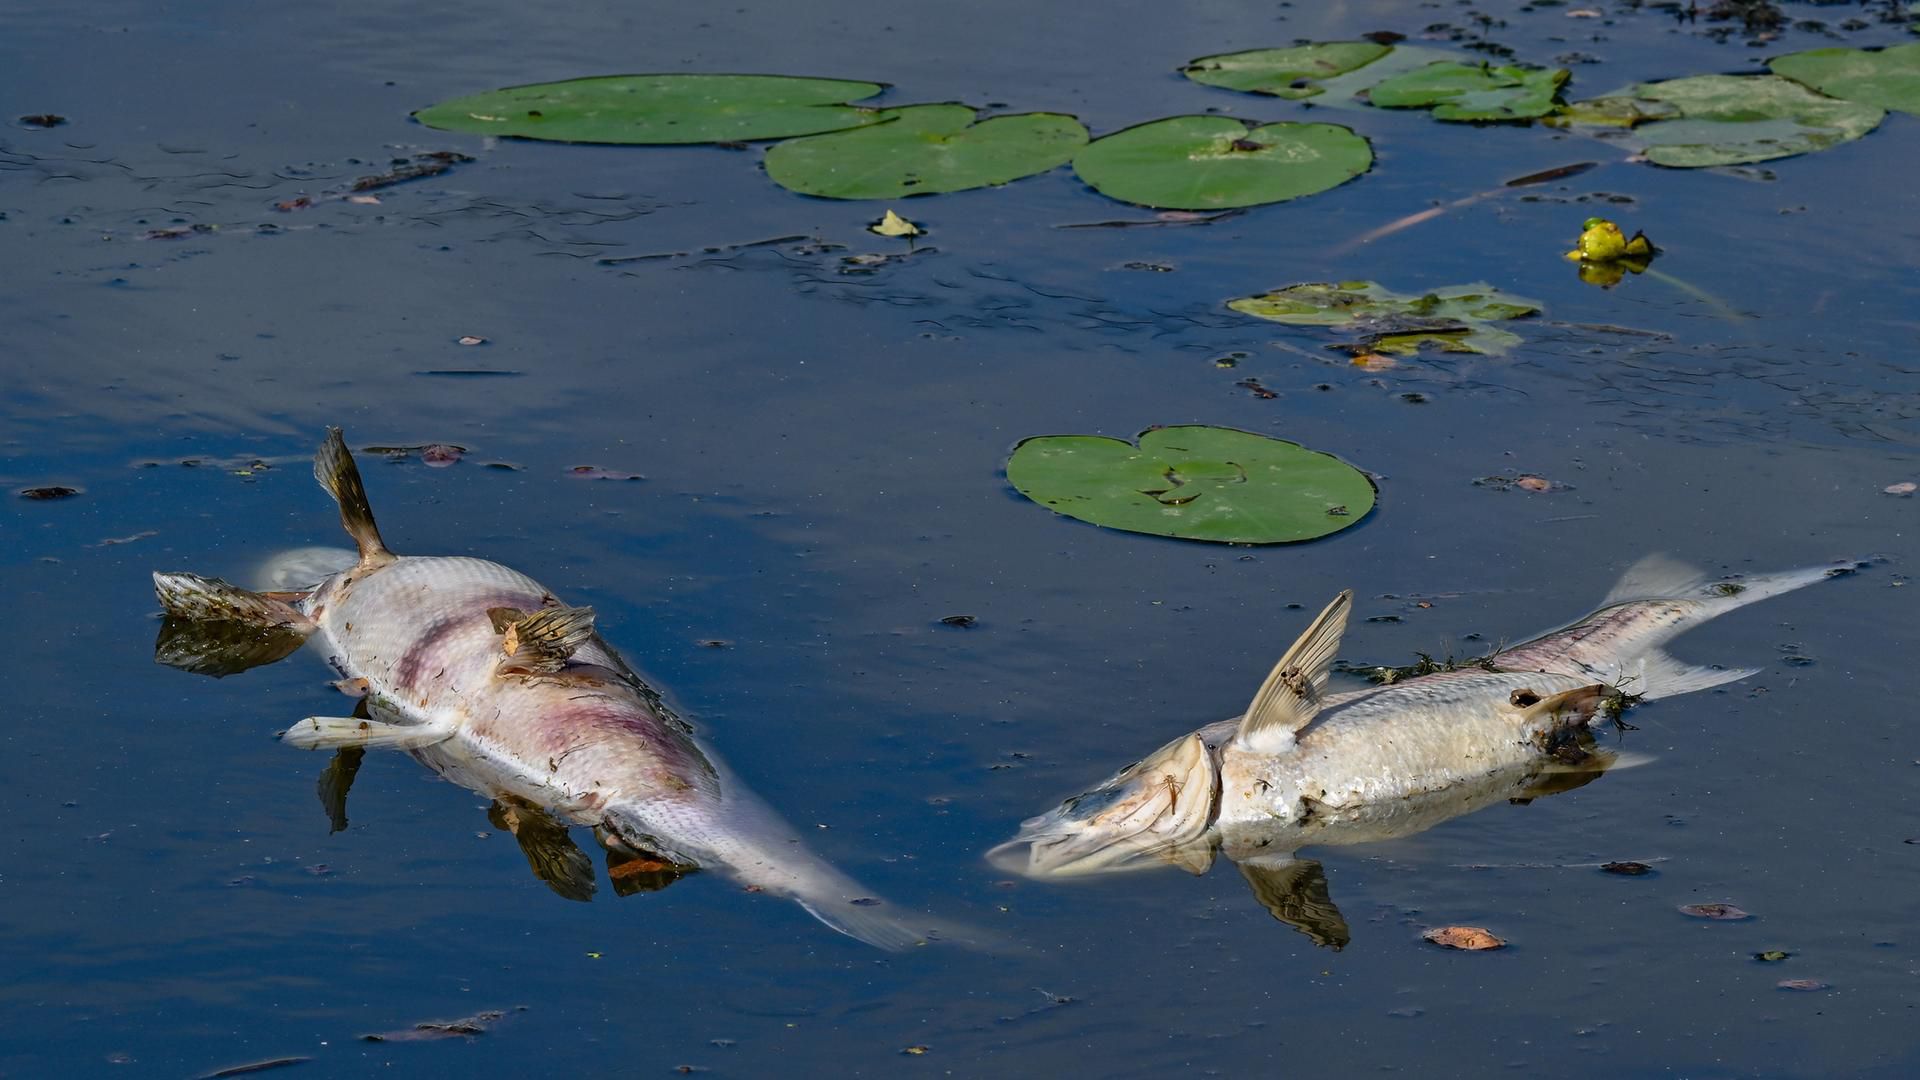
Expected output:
(1155, 812)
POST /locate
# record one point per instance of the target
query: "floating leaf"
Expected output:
(660, 109)
(1288, 73)
(1772, 956)
(892, 224)
(1708, 120)
(1351, 302)
(1457, 318)
(1215, 163)
(1722, 912)
(1888, 78)
(1195, 483)
(1470, 938)
(1457, 91)
(1627, 869)
(924, 149)
(1801, 984)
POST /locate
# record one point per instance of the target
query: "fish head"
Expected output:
(1153, 812)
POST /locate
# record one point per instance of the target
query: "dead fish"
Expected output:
(487, 677)
(1303, 766)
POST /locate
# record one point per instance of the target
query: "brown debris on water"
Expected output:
(418, 167)
(1467, 938)
(464, 1028)
(48, 494)
(1719, 912)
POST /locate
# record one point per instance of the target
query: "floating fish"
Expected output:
(486, 677)
(1303, 766)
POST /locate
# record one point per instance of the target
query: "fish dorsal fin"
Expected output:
(333, 466)
(1296, 688)
(544, 641)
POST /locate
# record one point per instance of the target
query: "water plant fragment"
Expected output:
(1194, 483)
(1289, 73)
(892, 224)
(1217, 163)
(1477, 92)
(1468, 938)
(660, 109)
(923, 150)
(1707, 120)
(1888, 78)
(1457, 318)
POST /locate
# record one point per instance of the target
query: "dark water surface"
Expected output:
(823, 453)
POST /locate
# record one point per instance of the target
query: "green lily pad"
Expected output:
(1457, 91)
(660, 109)
(1216, 163)
(1194, 483)
(1732, 119)
(1289, 73)
(1889, 78)
(924, 149)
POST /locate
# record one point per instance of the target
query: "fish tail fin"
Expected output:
(883, 926)
(333, 466)
(1656, 600)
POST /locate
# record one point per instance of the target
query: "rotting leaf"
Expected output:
(1469, 938)
(43, 120)
(1802, 984)
(1217, 163)
(1721, 912)
(892, 224)
(466, 1027)
(48, 494)
(1903, 488)
(419, 167)
(661, 109)
(1707, 120)
(1627, 869)
(594, 472)
(964, 622)
(1193, 483)
(1772, 956)
(1457, 318)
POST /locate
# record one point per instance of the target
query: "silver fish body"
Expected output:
(1303, 766)
(482, 674)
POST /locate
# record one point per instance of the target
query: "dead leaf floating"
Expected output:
(594, 472)
(1629, 869)
(892, 224)
(1721, 912)
(1468, 938)
(470, 339)
(1802, 985)
(44, 494)
(1903, 488)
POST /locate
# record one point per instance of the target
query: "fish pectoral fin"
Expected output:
(1296, 688)
(1580, 704)
(543, 641)
(335, 732)
(1294, 891)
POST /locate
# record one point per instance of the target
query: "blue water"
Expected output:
(823, 458)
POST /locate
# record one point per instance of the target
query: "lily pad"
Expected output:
(660, 109)
(925, 149)
(1888, 78)
(1457, 318)
(1194, 483)
(1457, 91)
(1217, 163)
(1350, 303)
(1289, 73)
(1729, 119)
